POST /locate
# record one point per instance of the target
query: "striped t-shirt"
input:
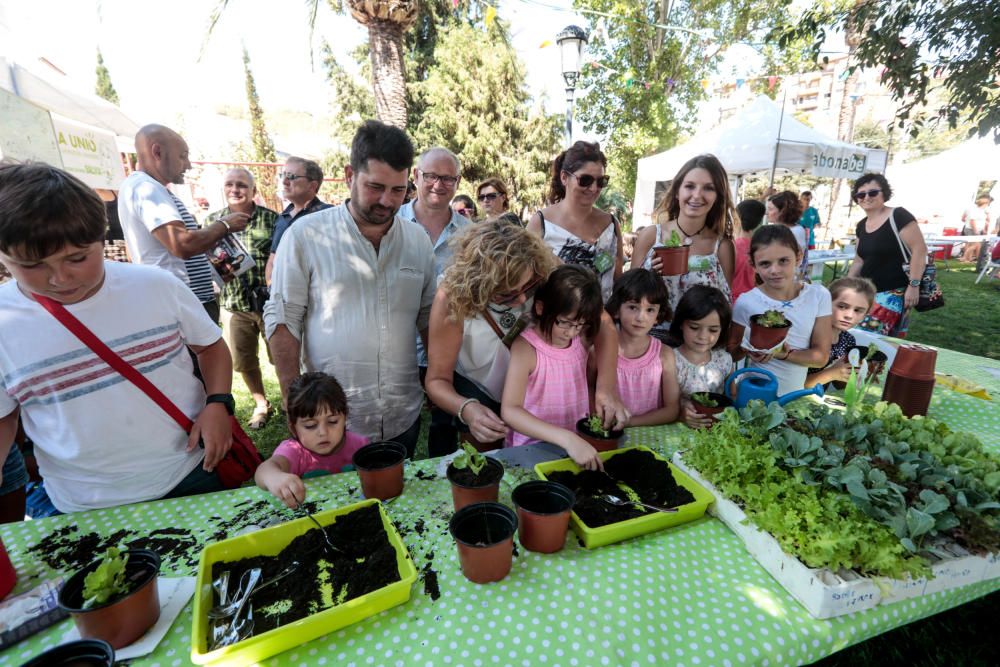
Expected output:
(199, 271)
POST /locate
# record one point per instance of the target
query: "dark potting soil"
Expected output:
(490, 474)
(640, 471)
(430, 578)
(367, 563)
(68, 550)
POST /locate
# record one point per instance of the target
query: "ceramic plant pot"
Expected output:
(81, 653)
(722, 400)
(121, 621)
(483, 488)
(380, 467)
(766, 338)
(599, 442)
(673, 261)
(543, 510)
(484, 534)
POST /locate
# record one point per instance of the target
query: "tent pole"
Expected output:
(777, 142)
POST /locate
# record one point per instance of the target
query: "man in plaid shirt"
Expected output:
(242, 299)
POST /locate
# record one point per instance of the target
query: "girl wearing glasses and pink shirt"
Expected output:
(546, 389)
(888, 239)
(572, 226)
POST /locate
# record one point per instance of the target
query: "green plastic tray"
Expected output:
(624, 530)
(269, 542)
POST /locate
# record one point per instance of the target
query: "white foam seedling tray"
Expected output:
(826, 594)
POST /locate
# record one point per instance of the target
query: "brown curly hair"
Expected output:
(490, 258)
(789, 207)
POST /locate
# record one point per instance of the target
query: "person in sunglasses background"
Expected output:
(464, 206)
(493, 196)
(881, 259)
(300, 183)
(572, 226)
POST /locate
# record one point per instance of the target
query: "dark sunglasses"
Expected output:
(527, 292)
(291, 177)
(861, 194)
(586, 180)
(490, 196)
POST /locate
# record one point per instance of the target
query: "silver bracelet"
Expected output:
(228, 228)
(462, 407)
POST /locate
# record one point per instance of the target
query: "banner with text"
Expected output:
(89, 154)
(845, 162)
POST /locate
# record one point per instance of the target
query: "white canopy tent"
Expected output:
(755, 139)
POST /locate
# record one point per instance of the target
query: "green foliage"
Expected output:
(104, 88)
(596, 426)
(470, 458)
(107, 581)
(673, 242)
(263, 146)
(771, 319)
(702, 398)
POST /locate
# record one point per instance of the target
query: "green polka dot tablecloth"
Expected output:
(689, 595)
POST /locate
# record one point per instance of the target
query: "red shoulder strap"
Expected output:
(87, 337)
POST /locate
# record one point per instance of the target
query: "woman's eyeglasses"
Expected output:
(489, 196)
(586, 180)
(861, 194)
(527, 293)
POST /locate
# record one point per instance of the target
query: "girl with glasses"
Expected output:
(572, 226)
(698, 208)
(546, 391)
(891, 253)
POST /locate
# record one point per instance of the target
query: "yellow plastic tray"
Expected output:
(269, 542)
(623, 530)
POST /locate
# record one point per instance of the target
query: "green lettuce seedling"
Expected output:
(470, 458)
(108, 580)
(596, 426)
(674, 241)
(772, 319)
(702, 398)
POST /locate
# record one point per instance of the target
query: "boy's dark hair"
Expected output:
(570, 289)
(375, 140)
(864, 179)
(636, 285)
(698, 303)
(751, 212)
(768, 234)
(44, 209)
(311, 392)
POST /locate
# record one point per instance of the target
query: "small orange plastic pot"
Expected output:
(124, 620)
(380, 467)
(722, 400)
(484, 534)
(765, 338)
(673, 261)
(488, 492)
(543, 510)
(598, 442)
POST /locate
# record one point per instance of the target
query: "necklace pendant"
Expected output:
(507, 319)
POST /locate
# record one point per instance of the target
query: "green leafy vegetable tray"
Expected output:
(826, 594)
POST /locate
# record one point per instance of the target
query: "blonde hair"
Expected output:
(491, 258)
(862, 286)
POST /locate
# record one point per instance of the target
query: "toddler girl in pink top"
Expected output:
(647, 375)
(317, 418)
(546, 390)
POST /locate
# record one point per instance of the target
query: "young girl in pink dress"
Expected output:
(546, 389)
(647, 374)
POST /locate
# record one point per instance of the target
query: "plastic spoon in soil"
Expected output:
(233, 634)
(322, 531)
(221, 586)
(615, 500)
(247, 583)
(237, 632)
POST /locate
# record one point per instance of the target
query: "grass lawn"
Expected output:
(970, 322)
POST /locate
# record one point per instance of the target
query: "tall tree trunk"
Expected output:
(388, 71)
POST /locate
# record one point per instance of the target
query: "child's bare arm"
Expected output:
(670, 391)
(272, 475)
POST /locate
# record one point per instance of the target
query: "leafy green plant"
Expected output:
(108, 580)
(772, 319)
(596, 426)
(674, 241)
(703, 398)
(470, 458)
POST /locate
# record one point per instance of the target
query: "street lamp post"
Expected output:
(571, 41)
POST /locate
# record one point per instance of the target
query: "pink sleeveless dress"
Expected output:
(557, 388)
(640, 380)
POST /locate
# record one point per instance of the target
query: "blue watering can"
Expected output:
(762, 386)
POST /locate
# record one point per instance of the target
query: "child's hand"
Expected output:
(286, 487)
(840, 370)
(582, 453)
(693, 419)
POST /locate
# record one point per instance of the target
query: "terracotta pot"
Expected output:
(543, 510)
(723, 401)
(875, 363)
(484, 534)
(80, 653)
(673, 261)
(912, 396)
(380, 467)
(915, 362)
(124, 620)
(765, 338)
(599, 443)
(464, 494)
(8, 577)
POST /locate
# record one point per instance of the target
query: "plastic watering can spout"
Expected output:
(791, 396)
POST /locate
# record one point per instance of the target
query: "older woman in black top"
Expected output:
(891, 253)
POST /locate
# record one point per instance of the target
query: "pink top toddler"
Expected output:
(301, 460)
(557, 388)
(640, 380)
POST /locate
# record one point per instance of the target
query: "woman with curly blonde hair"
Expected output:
(482, 304)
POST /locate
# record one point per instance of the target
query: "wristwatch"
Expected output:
(914, 283)
(226, 399)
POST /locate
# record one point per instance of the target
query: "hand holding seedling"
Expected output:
(287, 488)
(613, 413)
(693, 419)
(483, 423)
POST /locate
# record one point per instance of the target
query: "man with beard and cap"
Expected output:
(350, 284)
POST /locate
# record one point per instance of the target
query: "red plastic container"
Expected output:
(8, 577)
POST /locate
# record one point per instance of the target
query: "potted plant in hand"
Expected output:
(768, 329)
(474, 478)
(591, 429)
(673, 255)
(114, 598)
(709, 402)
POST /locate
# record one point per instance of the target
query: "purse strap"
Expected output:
(902, 247)
(87, 337)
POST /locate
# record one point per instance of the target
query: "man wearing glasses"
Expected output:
(300, 182)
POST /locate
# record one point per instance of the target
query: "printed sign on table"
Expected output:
(89, 153)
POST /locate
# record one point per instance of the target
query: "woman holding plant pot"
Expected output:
(481, 306)
(699, 210)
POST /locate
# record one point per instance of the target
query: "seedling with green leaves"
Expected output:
(108, 580)
(596, 426)
(674, 241)
(705, 399)
(470, 458)
(772, 319)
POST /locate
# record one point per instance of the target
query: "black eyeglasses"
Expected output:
(291, 177)
(432, 178)
(489, 196)
(586, 180)
(861, 194)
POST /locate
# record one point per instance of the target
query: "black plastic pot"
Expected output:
(81, 653)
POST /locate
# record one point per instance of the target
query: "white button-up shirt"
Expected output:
(354, 311)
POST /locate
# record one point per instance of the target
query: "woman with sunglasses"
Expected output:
(891, 253)
(493, 197)
(572, 226)
(464, 206)
(482, 304)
